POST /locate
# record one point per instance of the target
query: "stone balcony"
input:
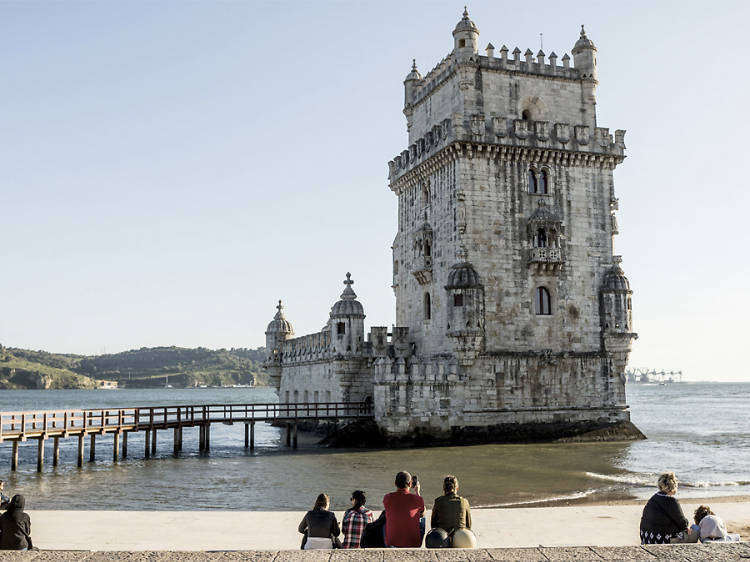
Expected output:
(423, 270)
(546, 260)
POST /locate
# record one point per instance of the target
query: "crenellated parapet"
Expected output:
(502, 131)
(312, 347)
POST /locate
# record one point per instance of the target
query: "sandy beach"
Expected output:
(614, 524)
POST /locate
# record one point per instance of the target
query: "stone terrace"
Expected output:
(686, 553)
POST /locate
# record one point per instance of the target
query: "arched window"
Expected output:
(525, 115)
(425, 194)
(543, 182)
(296, 396)
(542, 302)
(427, 307)
(532, 182)
(427, 249)
(540, 239)
(306, 397)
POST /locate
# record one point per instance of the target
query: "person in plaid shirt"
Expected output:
(355, 519)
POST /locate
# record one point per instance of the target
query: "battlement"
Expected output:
(531, 65)
(312, 347)
(509, 132)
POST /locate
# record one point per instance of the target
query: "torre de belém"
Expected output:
(513, 316)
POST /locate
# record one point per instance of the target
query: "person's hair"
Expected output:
(403, 479)
(322, 501)
(450, 483)
(359, 498)
(667, 483)
(701, 512)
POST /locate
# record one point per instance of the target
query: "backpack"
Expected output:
(374, 534)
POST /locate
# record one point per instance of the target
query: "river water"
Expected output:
(699, 430)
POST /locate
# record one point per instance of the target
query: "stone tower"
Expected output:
(503, 268)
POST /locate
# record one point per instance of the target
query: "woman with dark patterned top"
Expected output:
(663, 521)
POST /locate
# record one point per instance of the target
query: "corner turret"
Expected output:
(347, 322)
(279, 330)
(584, 57)
(465, 38)
(411, 82)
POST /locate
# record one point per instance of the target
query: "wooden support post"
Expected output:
(80, 449)
(124, 445)
(14, 457)
(147, 452)
(180, 445)
(208, 437)
(247, 435)
(153, 443)
(116, 447)
(176, 441)
(40, 454)
(294, 441)
(288, 435)
(201, 438)
(252, 435)
(56, 451)
(92, 448)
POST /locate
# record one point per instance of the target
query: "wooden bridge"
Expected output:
(18, 427)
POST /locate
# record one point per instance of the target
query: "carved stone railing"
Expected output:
(546, 259)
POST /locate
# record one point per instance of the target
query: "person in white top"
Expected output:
(710, 526)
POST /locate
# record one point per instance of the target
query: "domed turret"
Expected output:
(462, 276)
(465, 37)
(411, 82)
(279, 330)
(584, 56)
(465, 306)
(616, 308)
(347, 321)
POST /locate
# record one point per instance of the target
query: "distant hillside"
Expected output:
(145, 367)
(19, 369)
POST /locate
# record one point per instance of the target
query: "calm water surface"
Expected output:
(702, 431)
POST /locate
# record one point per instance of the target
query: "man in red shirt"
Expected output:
(402, 513)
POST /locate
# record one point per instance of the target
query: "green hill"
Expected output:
(138, 368)
(18, 371)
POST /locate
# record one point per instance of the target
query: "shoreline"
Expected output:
(611, 524)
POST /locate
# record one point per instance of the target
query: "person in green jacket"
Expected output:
(450, 511)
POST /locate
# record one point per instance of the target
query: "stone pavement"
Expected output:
(682, 553)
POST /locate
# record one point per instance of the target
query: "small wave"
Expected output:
(574, 496)
(637, 480)
(700, 484)
(632, 479)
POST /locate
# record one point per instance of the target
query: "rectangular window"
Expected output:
(341, 328)
(458, 300)
(315, 396)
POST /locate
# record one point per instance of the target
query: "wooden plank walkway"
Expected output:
(17, 427)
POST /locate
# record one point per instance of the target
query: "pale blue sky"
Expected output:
(171, 169)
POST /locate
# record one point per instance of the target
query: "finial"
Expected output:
(414, 64)
(583, 31)
(461, 254)
(348, 279)
(466, 13)
(280, 307)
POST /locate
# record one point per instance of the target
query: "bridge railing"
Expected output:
(33, 423)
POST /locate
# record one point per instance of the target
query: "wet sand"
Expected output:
(608, 525)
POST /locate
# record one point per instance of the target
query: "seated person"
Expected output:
(355, 520)
(663, 521)
(403, 510)
(319, 526)
(710, 527)
(15, 526)
(451, 512)
(4, 500)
